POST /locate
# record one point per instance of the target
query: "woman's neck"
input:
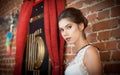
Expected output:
(81, 43)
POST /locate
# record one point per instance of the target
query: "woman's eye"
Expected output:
(61, 30)
(69, 27)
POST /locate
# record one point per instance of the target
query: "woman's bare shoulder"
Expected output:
(91, 50)
(92, 61)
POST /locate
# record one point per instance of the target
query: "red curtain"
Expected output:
(55, 44)
(60, 7)
(22, 30)
(54, 41)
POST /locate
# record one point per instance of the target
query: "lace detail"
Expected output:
(76, 66)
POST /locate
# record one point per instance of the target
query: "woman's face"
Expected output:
(70, 31)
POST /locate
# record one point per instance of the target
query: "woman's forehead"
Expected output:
(64, 22)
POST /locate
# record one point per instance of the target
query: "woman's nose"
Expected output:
(65, 33)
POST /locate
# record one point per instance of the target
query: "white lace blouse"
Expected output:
(77, 67)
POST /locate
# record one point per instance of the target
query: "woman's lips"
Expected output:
(68, 39)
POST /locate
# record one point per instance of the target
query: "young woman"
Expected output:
(87, 61)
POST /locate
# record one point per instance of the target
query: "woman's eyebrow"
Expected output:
(67, 25)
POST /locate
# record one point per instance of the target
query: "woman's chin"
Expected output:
(70, 42)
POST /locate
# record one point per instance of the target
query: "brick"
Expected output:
(118, 44)
(67, 50)
(88, 1)
(109, 24)
(70, 50)
(7, 6)
(116, 56)
(2, 47)
(115, 11)
(104, 35)
(12, 61)
(92, 17)
(88, 29)
(69, 1)
(118, 2)
(112, 68)
(92, 37)
(77, 5)
(119, 21)
(103, 14)
(14, 31)
(111, 45)
(85, 11)
(9, 72)
(68, 58)
(115, 33)
(105, 56)
(102, 5)
(3, 32)
(101, 46)
(17, 2)
(13, 43)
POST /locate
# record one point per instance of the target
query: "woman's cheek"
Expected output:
(62, 35)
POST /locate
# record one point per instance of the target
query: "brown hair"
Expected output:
(75, 15)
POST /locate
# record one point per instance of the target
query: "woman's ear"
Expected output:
(81, 26)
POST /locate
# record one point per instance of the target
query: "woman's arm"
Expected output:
(92, 61)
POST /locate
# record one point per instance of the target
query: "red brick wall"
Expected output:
(103, 30)
(7, 62)
(8, 6)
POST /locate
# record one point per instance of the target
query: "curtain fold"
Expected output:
(21, 36)
(60, 7)
(54, 41)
